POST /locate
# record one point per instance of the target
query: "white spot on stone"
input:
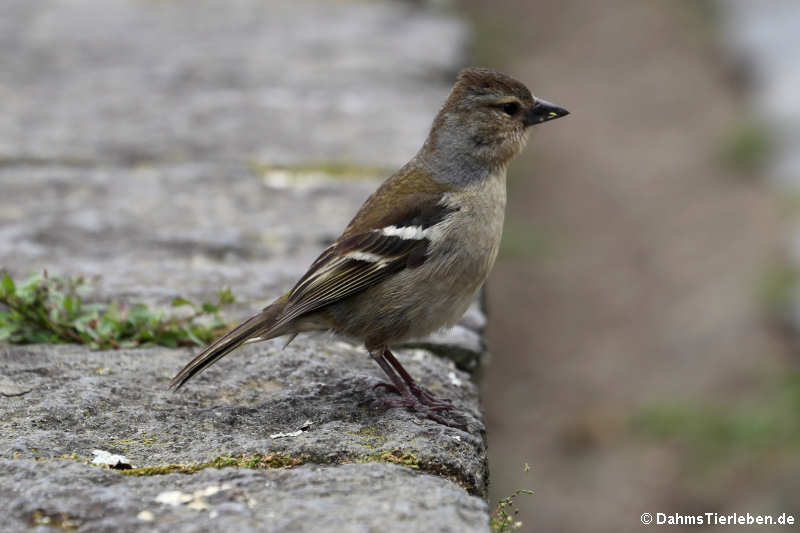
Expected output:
(146, 516)
(198, 504)
(210, 490)
(196, 500)
(173, 497)
(419, 355)
(454, 379)
(104, 458)
(303, 427)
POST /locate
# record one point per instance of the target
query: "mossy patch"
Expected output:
(411, 460)
(256, 462)
(62, 521)
(370, 437)
(46, 309)
(397, 457)
(161, 470)
(307, 173)
(127, 444)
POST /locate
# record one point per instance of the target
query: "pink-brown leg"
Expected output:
(412, 396)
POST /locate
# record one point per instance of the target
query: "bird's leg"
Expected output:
(397, 385)
(415, 399)
(421, 394)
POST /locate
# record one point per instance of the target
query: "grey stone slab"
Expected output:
(311, 498)
(118, 401)
(132, 81)
(159, 231)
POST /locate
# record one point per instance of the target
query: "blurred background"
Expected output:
(643, 310)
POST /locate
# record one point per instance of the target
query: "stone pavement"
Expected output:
(173, 148)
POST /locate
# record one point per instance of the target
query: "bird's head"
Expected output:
(484, 121)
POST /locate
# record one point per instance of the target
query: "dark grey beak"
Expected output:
(543, 111)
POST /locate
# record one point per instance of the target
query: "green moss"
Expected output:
(370, 432)
(63, 457)
(152, 439)
(309, 172)
(370, 437)
(397, 457)
(164, 469)
(127, 444)
(62, 521)
(277, 460)
(51, 309)
(256, 462)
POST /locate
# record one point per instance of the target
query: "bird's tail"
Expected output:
(257, 327)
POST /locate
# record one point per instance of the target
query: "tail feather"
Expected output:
(257, 327)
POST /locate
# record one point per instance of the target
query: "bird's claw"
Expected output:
(418, 400)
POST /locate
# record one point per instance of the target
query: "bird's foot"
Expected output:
(418, 400)
(411, 395)
(439, 404)
(414, 394)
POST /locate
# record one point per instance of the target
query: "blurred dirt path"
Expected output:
(632, 260)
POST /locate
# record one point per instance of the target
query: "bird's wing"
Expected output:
(363, 257)
(390, 233)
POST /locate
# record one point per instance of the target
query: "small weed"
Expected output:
(52, 309)
(504, 518)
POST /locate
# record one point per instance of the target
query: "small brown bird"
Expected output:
(420, 247)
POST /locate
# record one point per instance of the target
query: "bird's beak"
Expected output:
(543, 111)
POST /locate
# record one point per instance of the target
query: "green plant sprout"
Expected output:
(51, 309)
(504, 518)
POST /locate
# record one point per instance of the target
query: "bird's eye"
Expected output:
(510, 108)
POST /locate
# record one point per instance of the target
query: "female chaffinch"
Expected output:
(415, 254)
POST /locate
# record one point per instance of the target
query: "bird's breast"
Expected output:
(436, 293)
(472, 235)
(462, 256)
